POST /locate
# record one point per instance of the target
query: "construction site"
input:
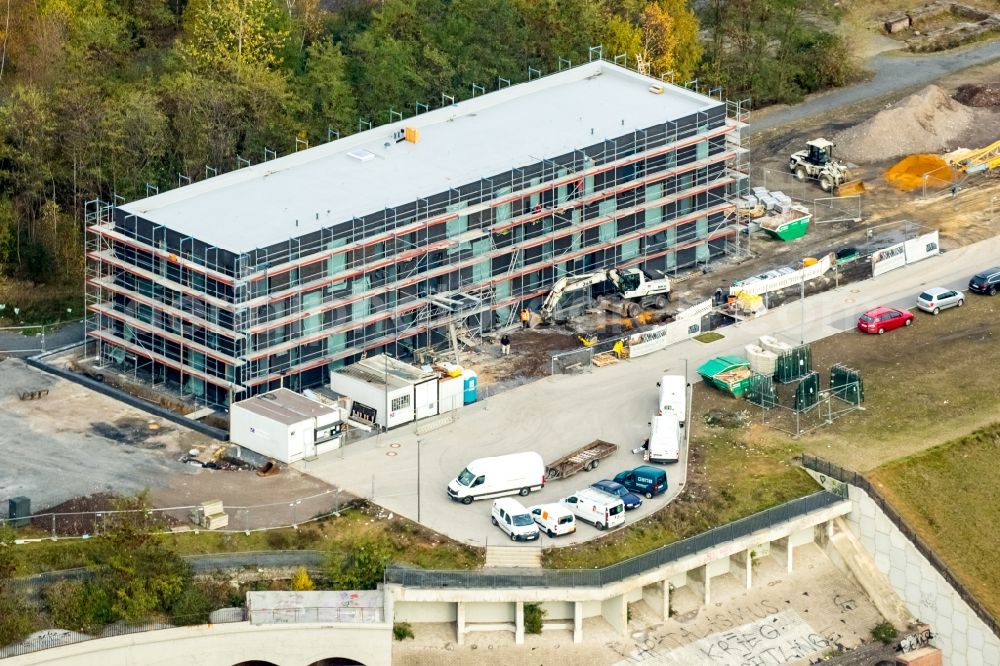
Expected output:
(597, 243)
(611, 248)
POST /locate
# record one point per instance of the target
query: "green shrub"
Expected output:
(402, 630)
(278, 540)
(884, 633)
(193, 606)
(17, 618)
(533, 614)
(78, 605)
(306, 539)
(362, 567)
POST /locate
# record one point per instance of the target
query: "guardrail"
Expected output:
(852, 478)
(744, 527)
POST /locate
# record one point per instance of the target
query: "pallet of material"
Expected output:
(604, 358)
(211, 515)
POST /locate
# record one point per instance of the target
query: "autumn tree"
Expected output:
(220, 33)
(302, 582)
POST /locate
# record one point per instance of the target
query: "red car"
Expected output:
(881, 319)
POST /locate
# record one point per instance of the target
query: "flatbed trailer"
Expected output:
(585, 458)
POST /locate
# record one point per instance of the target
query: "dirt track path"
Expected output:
(893, 72)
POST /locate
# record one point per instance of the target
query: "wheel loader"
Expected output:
(817, 163)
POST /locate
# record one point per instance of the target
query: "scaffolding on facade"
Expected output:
(386, 279)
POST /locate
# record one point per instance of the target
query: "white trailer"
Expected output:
(285, 426)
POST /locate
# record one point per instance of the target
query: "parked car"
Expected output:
(644, 479)
(935, 299)
(510, 516)
(554, 519)
(632, 501)
(881, 319)
(986, 282)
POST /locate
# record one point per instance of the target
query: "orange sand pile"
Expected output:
(908, 173)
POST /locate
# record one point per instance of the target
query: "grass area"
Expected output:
(951, 499)
(710, 336)
(734, 470)
(39, 303)
(407, 541)
(923, 385)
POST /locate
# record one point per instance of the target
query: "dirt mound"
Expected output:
(972, 94)
(909, 173)
(926, 122)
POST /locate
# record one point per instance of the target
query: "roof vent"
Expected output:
(361, 155)
(656, 89)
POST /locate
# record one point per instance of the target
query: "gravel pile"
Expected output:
(975, 95)
(926, 122)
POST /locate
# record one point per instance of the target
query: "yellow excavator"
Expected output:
(983, 160)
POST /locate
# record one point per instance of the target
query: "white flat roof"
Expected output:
(266, 203)
(284, 406)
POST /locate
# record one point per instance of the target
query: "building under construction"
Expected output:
(402, 236)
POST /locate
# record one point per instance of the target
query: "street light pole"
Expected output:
(802, 300)
(418, 480)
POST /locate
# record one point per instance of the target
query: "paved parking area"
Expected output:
(557, 414)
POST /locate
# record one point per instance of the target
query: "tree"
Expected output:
(134, 139)
(625, 37)
(325, 88)
(688, 48)
(484, 39)
(658, 39)
(137, 573)
(219, 33)
(362, 567)
(561, 28)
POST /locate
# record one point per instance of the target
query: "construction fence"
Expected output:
(179, 519)
(687, 324)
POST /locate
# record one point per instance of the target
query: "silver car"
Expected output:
(938, 298)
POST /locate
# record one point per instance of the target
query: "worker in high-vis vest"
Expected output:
(525, 318)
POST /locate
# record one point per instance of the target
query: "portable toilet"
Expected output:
(470, 386)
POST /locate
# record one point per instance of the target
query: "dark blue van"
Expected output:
(650, 481)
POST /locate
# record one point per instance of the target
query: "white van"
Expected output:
(602, 510)
(511, 517)
(673, 396)
(664, 444)
(554, 519)
(494, 477)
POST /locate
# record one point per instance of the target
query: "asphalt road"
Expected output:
(557, 414)
(18, 344)
(892, 71)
